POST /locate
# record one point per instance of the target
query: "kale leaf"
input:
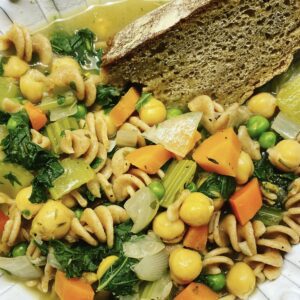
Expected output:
(119, 278)
(18, 147)
(122, 234)
(107, 96)
(80, 45)
(265, 171)
(4, 117)
(218, 185)
(78, 258)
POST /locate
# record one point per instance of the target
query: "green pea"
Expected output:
(78, 213)
(157, 188)
(20, 249)
(173, 112)
(267, 139)
(81, 111)
(215, 281)
(191, 187)
(257, 125)
(12, 123)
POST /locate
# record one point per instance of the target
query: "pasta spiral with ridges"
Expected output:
(39, 139)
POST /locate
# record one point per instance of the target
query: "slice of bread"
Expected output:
(221, 48)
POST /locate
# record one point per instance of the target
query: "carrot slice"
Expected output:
(37, 118)
(125, 107)
(196, 237)
(149, 158)
(72, 289)
(219, 153)
(3, 219)
(247, 201)
(197, 291)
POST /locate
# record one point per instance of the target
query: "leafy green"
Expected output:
(19, 149)
(145, 97)
(119, 278)
(78, 258)
(96, 162)
(107, 96)
(265, 171)
(12, 179)
(216, 186)
(122, 234)
(80, 45)
(84, 191)
(4, 117)
(269, 215)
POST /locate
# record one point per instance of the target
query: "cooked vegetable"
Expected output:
(72, 289)
(107, 96)
(196, 237)
(257, 125)
(149, 158)
(76, 173)
(196, 209)
(13, 178)
(166, 229)
(177, 134)
(8, 89)
(240, 280)
(185, 265)
(3, 219)
(20, 267)
(178, 174)
(267, 139)
(37, 118)
(157, 188)
(215, 281)
(4, 117)
(219, 153)
(81, 111)
(245, 168)
(63, 112)
(173, 112)
(125, 107)
(54, 102)
(80, 45)
(145, 98)
(105, 264)
(120, 279)
(246, 202)
(285, 127)
(191, 186)
(263, 104)
(152, 267)
(197, 291)
(142, 208)
(153, 112)
(19, 249)
(56, 130)
(269, 215)
(19, 149)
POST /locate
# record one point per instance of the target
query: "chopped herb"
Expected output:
(61, 99)
(73, 86)
(26, 213)
(12, 179)
(96, 162)
(4, 117)
(145, 97)
(87, 194)
(107, 96)
(213, 160)
(3, 61)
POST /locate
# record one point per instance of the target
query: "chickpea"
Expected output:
(263, 104)
(53, 221)
(185, 265)
(31, 86)
(62, 62)
(196, 209)
(105, 264)
(166, 229)
(153, 112)
(27, 208)
(285, 155)
(15, 67)
(240, 280)
(245, 168)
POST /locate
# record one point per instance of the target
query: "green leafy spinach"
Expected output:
(107, 96)
(12, 179)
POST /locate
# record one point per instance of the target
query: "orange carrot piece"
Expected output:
(125, 107)
(3, 219)
(247, 201)
(37, 118)
(149, 158)
(72, 289)
(196, 237)
(197, 291)
(219, 153)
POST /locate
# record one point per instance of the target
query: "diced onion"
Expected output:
(152, 267)
(63, 112)
(285, 127)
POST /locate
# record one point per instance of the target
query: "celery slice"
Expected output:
(13, 178)
(76, 173)
(178, 174)
(8, 88)
(269, 215)
(55, 131)
(51, 103)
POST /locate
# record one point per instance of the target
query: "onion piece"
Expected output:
(141, 246)
(142, 208)
(152, 267)
(21, 267)
(285, 127)
(63, 112)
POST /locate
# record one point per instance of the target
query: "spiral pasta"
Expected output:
(39, 139)
(99, 222)
(173, 209)
(10, 106)
(74, 197)
(248, 145)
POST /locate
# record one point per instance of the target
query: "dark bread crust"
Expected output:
(222, 48)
